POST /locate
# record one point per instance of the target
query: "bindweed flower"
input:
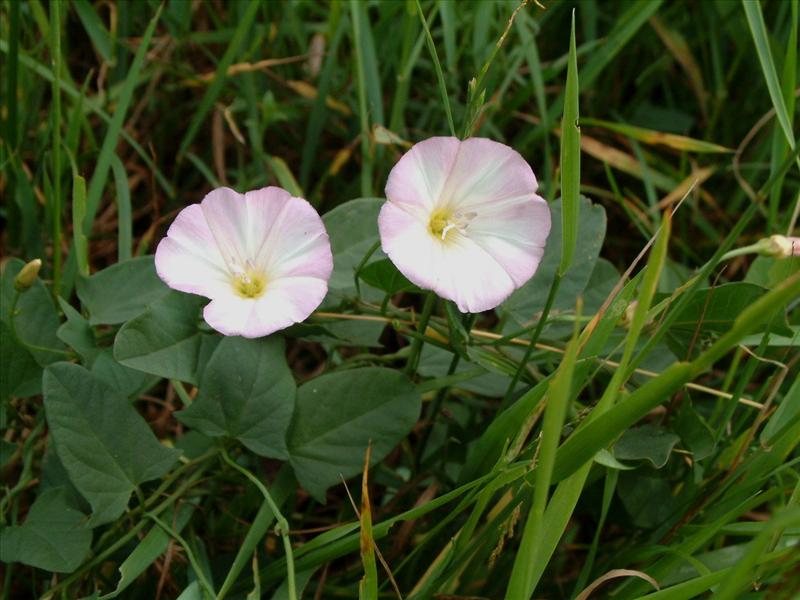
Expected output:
(462, 218)
(263, 258)
(781, 246)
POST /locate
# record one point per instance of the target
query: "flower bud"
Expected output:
(627, 316)
(781, 246)
(27, 275)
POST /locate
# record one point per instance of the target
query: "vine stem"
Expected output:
(535, 338)
(120, 540)
(438, 400)
(201, 578)
(281, 526)
(416, 345)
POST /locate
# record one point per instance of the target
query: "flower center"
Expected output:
(445, 224)
(249, 283)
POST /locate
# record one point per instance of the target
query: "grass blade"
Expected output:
(98, 181)
(565, 498)
(54, 204)
(741, 574)
(124, 216)
(282, 486)
(755, 19)
(70, 90)
(653, 137)
(570, 160)
(368, 587)
(438, 66)
(529, 556)
(78, 215)
(101, 40)
(602, 430)
(245, 22)
(366, 158)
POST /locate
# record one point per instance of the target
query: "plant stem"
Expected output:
(366, 158)
(361, 265)
(535, 338)
(416, 345)
(55, 29)
(281, 527)
(204, 583)
(438, 400)
(122, 540)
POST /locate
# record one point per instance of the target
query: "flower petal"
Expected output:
(265, 237)
(501, 225)
(188, 258)
(486, 175)
(459, 269)
(294, 242)
(419, 177)
(514, 236)
(285, 302)
(227, 216)
(471, 277)
(408, 243)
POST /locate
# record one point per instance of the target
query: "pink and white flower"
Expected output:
(263, 258)
(462, 218)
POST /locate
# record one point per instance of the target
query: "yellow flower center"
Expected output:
(249, 284)
(445, 224)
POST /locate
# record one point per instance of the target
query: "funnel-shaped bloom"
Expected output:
(462, 218)
(262, 257)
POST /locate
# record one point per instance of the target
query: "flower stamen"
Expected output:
(249, 284)
(444, 221)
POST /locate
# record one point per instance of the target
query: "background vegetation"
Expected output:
(659, 446)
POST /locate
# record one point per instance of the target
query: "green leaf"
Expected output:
(715, 309)
(20, 374)
(164, 340)
(192, 592)
(524, 303)
(129, 382)
(336, 417)
(77, 333)
(353, 230)
(104, 444)
(570, 160)
(648, 442)
(343, 332)
(605, 458)
(695, 433)
(435, 362)
(647, 499)
(153, 545)
(122, 291)
(35, 317)
(383, 275)
(54, 536)
(246, 392)
(769, 272)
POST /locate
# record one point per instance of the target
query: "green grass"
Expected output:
(570, 433)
